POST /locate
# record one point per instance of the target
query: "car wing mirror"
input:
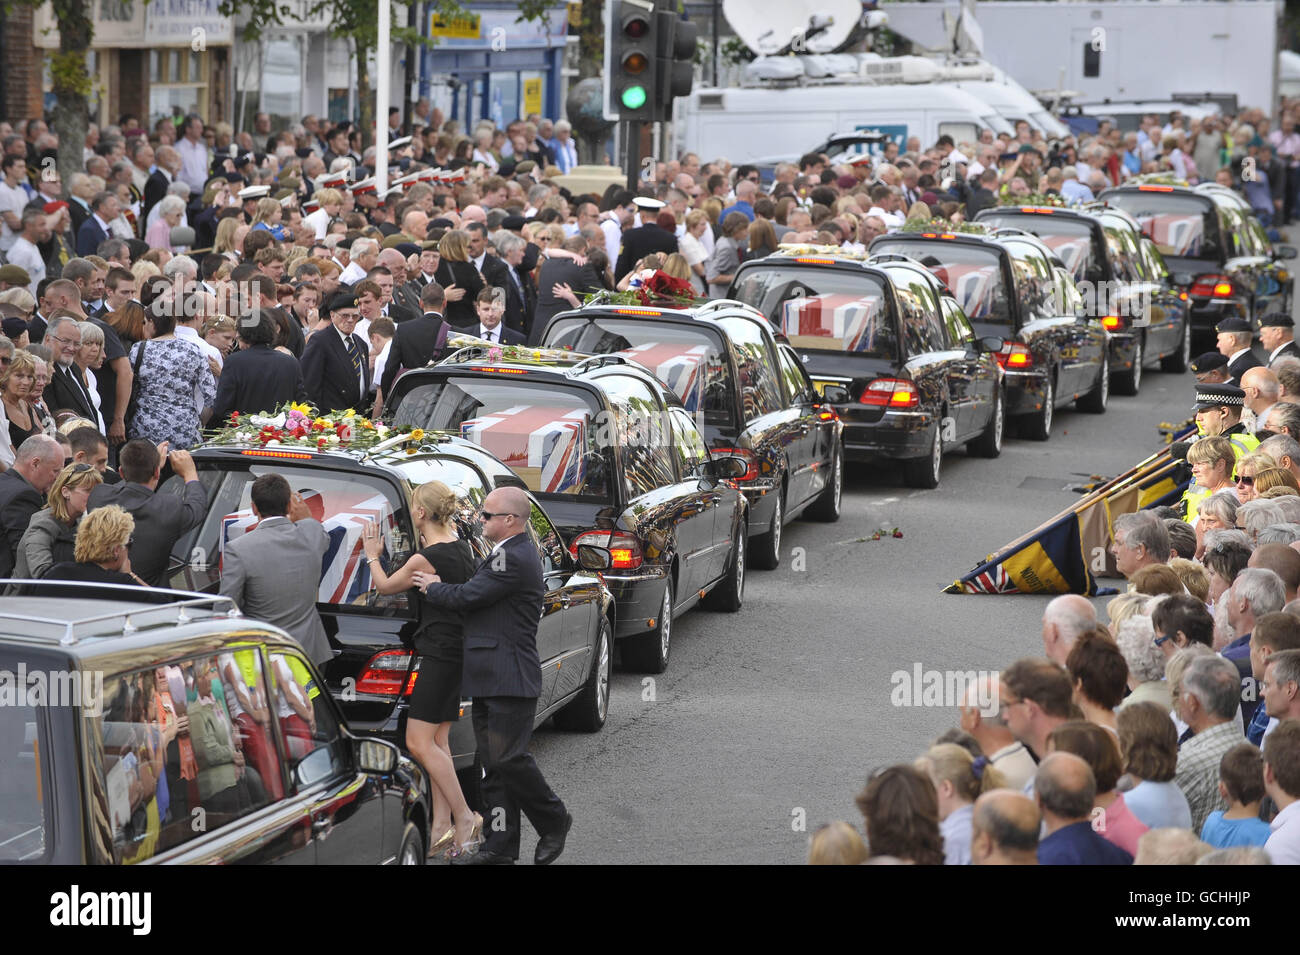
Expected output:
(591, 557)
(376, 756)
(729, 467)
(1284, 252)
(1183, 279)
(835, 394)
(990, 343)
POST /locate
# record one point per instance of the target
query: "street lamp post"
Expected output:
(383, 55)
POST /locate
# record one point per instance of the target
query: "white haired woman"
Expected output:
(1145, 660)
(171, 211)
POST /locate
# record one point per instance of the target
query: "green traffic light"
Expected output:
(634, 97)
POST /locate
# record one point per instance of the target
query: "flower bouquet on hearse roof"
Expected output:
(941, 226)
(656, 289)
(298, 425)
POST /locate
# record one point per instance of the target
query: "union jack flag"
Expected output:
(849, 318)
(676, 365)
(548, 440)
(1174, 234)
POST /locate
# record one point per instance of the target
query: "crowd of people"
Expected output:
(190, 273)
(1170, 733)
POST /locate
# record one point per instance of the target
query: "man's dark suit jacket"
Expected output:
(19, 501)
(155, 188)
(328, 375)
(502, 604)
(62, 393)
(414, 345)
(1242, 365)
(160, 521)
(257, 379)
(36, 326)
(581, 278)
(89, 236)
(1289, 350)
(406, 303)
(640, 242)
(79, 213)
(519, 307)
(401, 313)
(506, 336)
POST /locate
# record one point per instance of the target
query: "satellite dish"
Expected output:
(769, 26)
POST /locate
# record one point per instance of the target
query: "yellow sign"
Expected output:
(532, 96)
(461, 26)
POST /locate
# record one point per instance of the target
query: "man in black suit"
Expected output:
(561, 271)
(160, 519)
(1277, 335)
(1234, 340)
(491, 307)
(417, 342)
(335, 371)
(37, 463)
(168, 163)
(521, 296)
(501, 605)
(649, 237)
(104, 208)
(65, 390)
(257, 377)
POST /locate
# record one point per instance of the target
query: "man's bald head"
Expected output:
(1064, 620)
(1283, 561)
(1065, 787)
(1004, 828)
(474, 214)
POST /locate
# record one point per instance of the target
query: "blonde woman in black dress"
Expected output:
(435, 702)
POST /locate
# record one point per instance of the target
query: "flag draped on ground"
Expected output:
(1066, 553)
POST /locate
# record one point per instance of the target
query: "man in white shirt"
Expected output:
(491, 308)
(194, 154)
(363, 256)
(12, 200)
(1282, 782)
(23, 253)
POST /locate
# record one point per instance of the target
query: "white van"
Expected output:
(1013, 103)
(764, 126)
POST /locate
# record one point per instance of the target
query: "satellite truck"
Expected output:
(800, 91)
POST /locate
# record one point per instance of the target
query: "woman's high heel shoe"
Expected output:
(445, 842)
(475, 840)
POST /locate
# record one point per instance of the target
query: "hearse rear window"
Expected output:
(821, 308)
(551, 436)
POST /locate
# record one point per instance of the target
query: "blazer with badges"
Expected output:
(502, 604)
(273, 574)
(1289, 350)
(329, 375)
(1243, 364)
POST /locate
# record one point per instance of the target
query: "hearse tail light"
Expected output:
(636, 311)
(506, 371)
(1111, 322)
(805, 260)
(385, 674)
(1213, 286)
(624, 549)
(1015, 355)
(898, 393)
(1155, 188)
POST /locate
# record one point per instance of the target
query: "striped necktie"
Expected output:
(353, 355)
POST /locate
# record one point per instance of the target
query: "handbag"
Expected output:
(133, 405)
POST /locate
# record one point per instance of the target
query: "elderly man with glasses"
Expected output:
(501, 606)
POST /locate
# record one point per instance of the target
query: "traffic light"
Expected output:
(631, 63)
(676, 53)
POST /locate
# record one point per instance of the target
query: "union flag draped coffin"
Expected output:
(1068, 552)
(542, 444)
(809, 322)
(679, 366)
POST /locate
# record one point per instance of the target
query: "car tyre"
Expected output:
(1177, 362)
(412, 849)
(1038, 427)
(827, 506)
(1131, 381)
(587, 712)
(1095, 401)
(924, 472)
(648, 652)
(729, 595)
(766, 550)
(989, 442)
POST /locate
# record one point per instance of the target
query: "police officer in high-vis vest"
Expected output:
(1218, 413)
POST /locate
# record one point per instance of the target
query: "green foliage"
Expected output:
(943, 225)
(68, 72)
